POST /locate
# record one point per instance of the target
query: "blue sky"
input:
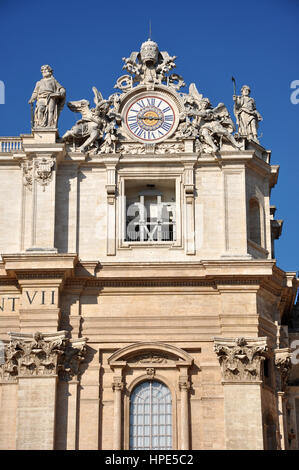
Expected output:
(84, 42)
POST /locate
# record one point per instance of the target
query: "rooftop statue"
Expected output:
(131, 114)
(210, 125)
(246, 114)
(89, 131)
(50, 97)
(149, 67)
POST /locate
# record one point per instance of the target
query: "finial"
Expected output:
(150, 30)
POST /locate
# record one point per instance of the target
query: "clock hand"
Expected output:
(151, 118)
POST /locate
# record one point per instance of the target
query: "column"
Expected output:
(117, 388)
(184, 386)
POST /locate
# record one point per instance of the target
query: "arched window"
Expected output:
(254, 221)
(151, 417)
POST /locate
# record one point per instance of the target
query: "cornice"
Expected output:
(39, 265)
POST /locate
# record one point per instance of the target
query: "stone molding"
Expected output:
(241, 358)
(42, 354)
(146, 355)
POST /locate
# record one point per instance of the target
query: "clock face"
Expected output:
(150, 118)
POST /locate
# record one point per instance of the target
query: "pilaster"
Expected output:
(241, 363)
(40, 278)
(33, 363)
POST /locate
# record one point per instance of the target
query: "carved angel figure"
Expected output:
(89, 130)
(211, 124)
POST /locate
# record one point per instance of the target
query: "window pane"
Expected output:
(154, 410)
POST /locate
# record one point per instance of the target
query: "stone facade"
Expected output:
(136, 252)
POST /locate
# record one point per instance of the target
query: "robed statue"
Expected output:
(50, 97)
(246, 114)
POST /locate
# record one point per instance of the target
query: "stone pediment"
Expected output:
(150, 354)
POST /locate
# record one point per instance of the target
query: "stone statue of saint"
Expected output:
(50, 97)
(246, 114)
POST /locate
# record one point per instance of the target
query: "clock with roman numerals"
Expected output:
(150, 118)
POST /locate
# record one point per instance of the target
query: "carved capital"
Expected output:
(117, 384)
(241, 358)
(283, 366)
(71, 360)
(9, 366)
(184, 383)
(41, 354)
(30, 354)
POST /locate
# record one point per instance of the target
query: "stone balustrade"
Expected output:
(10, 144)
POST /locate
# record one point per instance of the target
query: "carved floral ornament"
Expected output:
(42, 354)
(39, 169)
(241, 360)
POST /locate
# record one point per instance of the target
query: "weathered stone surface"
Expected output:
(155, 242)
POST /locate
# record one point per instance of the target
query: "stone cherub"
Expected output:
(246, 114)
(50, 98)
(90, 130)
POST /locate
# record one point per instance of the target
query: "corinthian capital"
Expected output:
(283, 366)
(241, 358)
(41, 354)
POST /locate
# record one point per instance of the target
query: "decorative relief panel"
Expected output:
(40, 169)
(150, 358)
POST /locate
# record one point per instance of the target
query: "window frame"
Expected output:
(127, 398)
(150, 384)
(121, 210)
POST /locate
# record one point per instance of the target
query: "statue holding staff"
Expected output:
(246, 114)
